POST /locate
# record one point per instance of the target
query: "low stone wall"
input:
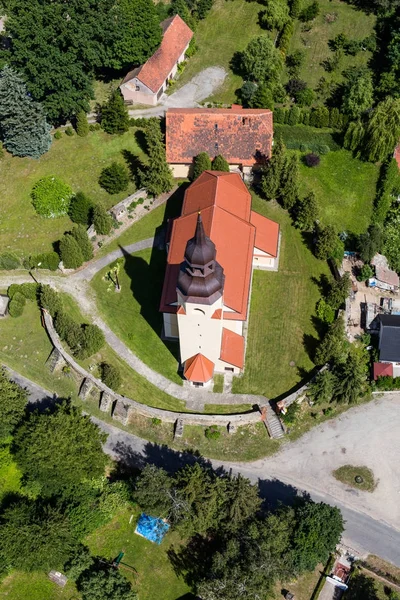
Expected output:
(122, 408)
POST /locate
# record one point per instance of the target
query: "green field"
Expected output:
(155, 574)
(77, 161)
(133, 313)
(355, 24)
(281, 330)
(227, 29)
(35, 586)
(345, 188)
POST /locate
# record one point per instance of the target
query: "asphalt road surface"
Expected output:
(305, 466)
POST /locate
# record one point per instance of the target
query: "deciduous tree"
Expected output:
(201, 163)
(104, 583)
(383, 130)
(261, 61)
(358, 93)
(13, 399)
(58, 449)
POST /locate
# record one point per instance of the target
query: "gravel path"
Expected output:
(199, 88)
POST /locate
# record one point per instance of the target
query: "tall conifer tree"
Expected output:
(23, 126)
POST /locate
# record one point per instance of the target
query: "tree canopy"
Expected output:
(58, 449)
(13, 400)
(261, 61)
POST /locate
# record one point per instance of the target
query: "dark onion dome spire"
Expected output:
(201, 277)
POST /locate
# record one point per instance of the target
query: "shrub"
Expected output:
(325, 312)
(192, 49)
(57, 135)
(155, 421)
(212, 433)
(202, 162)
(294, 115)
(79, 234)
(286, 36)
(15, 308)
(114, 179)
(319, 117)
(19, 297)
(289, 418)
(93, 340)
(82, 126)
(304, 148)
(80, 209)
(310, 12)
(13, 289)
(47, 260)
(305, 97)
(69, 330)
(29, 290)
(50, 300)
(279, 115)
(365, 273)
(323, 149)
(69, 131)
(70, 252)
(312, 160)
(1, 150)
(51, 197)
(102, 221)
(110, 376)
(220, 164)
(9, 261)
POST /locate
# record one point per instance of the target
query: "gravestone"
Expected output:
(231, 428)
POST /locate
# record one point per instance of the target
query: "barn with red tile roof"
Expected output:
(146, 84)
(212, 250)
(243, 136)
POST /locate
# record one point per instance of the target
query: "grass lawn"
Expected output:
(365, 585)
(348, 474)
(227, 409)
(303, 587)
(25, 347)
(345, 188)
(355, 24)
(133, 385)
(227, 29)
(218, 384)
(133, 313)
(10, 475)
(78, 162)
(35, 586)
(155, 574)
(281, 311)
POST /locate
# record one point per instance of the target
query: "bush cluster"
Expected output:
(47, 260)
(115, 178)
(212, 433)
(110, 376)
(388, 184)
(19, 294)
(319, 117)
(386, 383)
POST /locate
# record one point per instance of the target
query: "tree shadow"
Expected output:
(147, 279)
(235, 64)
(310, 344)
(323, 283)
(134, 164)
(141, 141)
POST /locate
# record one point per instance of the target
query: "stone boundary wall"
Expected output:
(123, 407)
(123, 207)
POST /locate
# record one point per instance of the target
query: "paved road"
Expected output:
(363, 533)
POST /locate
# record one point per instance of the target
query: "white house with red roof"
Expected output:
(212, 250)
(146, 84)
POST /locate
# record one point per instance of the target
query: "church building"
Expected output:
(212, 250)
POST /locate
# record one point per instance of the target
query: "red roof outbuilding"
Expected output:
(383, 370)
(176, 36)
(243, 136)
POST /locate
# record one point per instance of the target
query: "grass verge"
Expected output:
(133, 314)
(360, 478)
(345, 189)
(35, 586)
(218, 384)
(281, 327)
(155, 576)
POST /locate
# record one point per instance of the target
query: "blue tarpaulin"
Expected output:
(151, 528)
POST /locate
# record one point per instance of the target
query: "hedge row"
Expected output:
(318, 117)
(306, 138)
(389, 183)
(19, 294)
(386, 383)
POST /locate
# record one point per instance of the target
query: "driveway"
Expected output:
(200, 87)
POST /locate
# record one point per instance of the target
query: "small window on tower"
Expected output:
(216, 126)
(216, 147)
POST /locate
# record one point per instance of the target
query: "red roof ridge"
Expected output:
(198, 368)
(232, 348)
(249, 111)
